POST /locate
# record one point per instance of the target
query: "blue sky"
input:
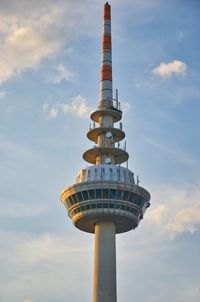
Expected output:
(49, 83)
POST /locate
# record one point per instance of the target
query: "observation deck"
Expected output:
(105, 193)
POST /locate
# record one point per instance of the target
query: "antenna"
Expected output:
(138, 181)
(117, 98)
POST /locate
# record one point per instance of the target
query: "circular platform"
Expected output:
(120, 155)
(114, 113)
(117, 134)
(90, 202)
(123, 220)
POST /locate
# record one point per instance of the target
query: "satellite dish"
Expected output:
(108, 160)
(108, 134)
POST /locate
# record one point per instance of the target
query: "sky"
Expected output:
(49, 83)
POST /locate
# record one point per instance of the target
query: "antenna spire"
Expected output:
(106, 94)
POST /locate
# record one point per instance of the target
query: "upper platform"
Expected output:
(116, 114)
(119, 155)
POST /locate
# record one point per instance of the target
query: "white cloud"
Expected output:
(165, 70)
(158, 213)
(77, 106)
(125, 106)
(186, 220)
(32, 33)
(48, 257)
(49, 247)
(27, 43)
(175, 210)
(52, 112)
(61, 73)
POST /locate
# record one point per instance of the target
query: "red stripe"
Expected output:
(107, 15)
(106, 46)
(106, 72)
(106, 38)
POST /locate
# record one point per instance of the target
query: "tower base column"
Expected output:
(104, 263)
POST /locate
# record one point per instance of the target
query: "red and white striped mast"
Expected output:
(106, 94)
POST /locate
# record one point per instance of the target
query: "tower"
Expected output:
(106, 200)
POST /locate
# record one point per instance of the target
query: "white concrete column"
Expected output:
(104, 289)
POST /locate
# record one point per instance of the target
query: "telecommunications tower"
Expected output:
(106, 200)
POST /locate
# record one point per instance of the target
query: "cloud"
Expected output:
(77, 106)
(125, 106)
(158, 213)
(52, 112)
(166, 70)
(26, 44)
(186, 220)
(32, 33)
(175, 210)
(45, 256)
(61, 73)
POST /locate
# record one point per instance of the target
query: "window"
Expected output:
(105, 205)
(102, 173)
(79, 195)
(111, 205)
(85, 195)
(99, 205)
(71, 200)
(131, 197)
(68, 202)
(78, 209)
(117, 206)
(91, 194)
(98, 194)
(126, 195)
(74, 197)
(105, 193)
(87, 206)
(142, 202)
(123, 207)
(112, 194)
(95, 173)
(118, 174)
(75, 211)
(82, 208)
(137, 199)
(111, 174)
(124, 172)
(93, 205)
(120, 194)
